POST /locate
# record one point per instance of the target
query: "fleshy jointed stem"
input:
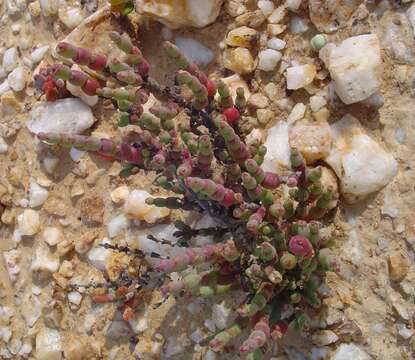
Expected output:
(269, 243)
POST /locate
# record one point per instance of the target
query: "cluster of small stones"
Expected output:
(258, 46)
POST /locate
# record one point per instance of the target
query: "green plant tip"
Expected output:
(318, 42)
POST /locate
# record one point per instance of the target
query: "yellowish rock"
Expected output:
(275, 29)
(239, 60)
(398, 265)
(243, 36)
(313, 140)
(300, 76)
(120, 194)
(180, 13)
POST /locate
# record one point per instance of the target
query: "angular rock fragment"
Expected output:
(355, 67)
(62, 116)
(361, 164)
(181, 13)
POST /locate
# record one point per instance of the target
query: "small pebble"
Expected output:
(52, 236)
(276, 44)
(297, 113)
(10, 59)
(37, 55)
(3, 146)
(268, 59)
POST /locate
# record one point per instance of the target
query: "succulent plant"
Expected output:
(270, 226)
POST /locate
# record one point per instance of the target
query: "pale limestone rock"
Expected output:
(44, 261)
(278, 149)
(181, 13)
(268, 59)
(313, 140)
(135, 207)
(70, 16)
(361, 164)
(48, 344)
(37, 195)
(52, 236)
(239, 60)
(317, 102)
(120, 194)
(28, 222)
(243, 36)
(324, 337)
(349, 352)
(297, 113)
(398, 265)
(99, 256)
(62, 116)
(117, 225)
(300, 76)
(355, 67)
(18, 78)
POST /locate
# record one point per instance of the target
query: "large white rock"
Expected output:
(361, 164)
(48, 345)
(179, 13)
(278, 149)
(62, 116)
(355, 67)
(349, 352)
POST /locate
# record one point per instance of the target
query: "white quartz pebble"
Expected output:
(276, 44)
(268, 59)
(44, 261)
(297, 113)
(38, 54)
(28, 222)
(10, 59)
(52, 236)
(61, 116)
(278, 149)
(355, 67)
(300, 76)
(362, 165)
(37, 195)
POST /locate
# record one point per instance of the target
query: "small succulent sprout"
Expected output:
(288, 261)
(318, 42)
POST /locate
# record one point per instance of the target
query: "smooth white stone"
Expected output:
(278, 149)
(61, 116)
(361, 164)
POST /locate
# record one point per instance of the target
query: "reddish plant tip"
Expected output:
(232, 115)
(211, 88)
(299, 245)
(90, 87)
